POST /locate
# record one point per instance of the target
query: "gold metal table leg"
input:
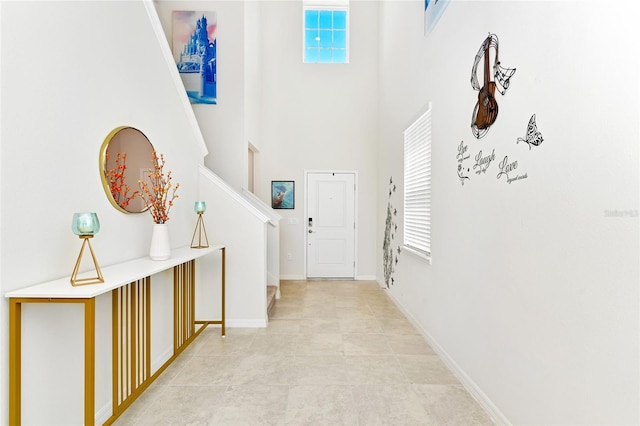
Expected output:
(224, 264)
(89, 360)
(222, 320)
(15, 368)
(15, 356)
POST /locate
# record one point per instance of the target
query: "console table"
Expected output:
(130, 287)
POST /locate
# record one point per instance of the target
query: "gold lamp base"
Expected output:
(75, 281)
(200, 231)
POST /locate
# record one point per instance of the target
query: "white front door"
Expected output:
(330, 225)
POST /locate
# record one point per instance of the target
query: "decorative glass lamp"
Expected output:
(200, 208)
(85, 225)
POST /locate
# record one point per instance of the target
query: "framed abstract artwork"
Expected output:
(283, 194)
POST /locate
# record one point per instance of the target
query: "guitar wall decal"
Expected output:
(485, 112)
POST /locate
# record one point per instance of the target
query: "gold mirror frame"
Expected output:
(125, 146)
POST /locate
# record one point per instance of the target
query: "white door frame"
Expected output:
(355, 217)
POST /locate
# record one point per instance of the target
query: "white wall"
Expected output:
(72, 72)
(273, 238)
(252, 75)
(318, 117)
(223, 124)
(533, 292)
(263, 85)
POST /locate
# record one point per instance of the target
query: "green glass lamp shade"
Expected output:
(85, 224)
(200, 207)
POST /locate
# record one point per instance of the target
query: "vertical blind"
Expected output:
(417, 184)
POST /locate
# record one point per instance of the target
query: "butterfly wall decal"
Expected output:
(534, 137)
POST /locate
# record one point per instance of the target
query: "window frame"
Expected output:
(328, 5)
(417, 185)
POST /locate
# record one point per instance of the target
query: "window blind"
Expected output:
(417, 184)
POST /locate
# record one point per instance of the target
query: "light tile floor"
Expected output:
(334, 353)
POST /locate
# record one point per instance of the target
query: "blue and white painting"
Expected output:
(194, 50)
(282, 194)
(433, 10)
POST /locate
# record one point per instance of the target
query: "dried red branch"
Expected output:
(155, 192)
(115, 176)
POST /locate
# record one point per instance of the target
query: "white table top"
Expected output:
(115, 276)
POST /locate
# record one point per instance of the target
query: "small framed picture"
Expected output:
(283, 194)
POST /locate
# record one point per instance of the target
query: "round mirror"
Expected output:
(125, 157)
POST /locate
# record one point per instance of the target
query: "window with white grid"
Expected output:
(417, 185)
(326, 31)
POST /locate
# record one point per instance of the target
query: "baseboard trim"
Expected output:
(272, 279)
(366, 278)
(466, 381)
(161, 359)
(303, 278)
(103, 414)
(292, 277)
(242, 323)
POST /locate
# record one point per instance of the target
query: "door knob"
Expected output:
(310, 231)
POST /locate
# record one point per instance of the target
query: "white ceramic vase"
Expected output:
(160, 248)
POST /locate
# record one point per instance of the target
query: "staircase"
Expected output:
(271, 297)
(273, 247)
(244, 224)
